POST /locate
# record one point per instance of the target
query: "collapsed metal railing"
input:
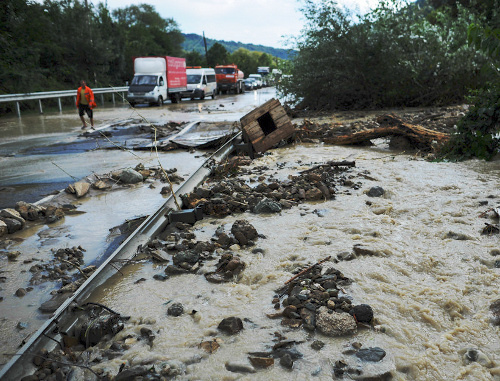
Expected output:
(64, 318)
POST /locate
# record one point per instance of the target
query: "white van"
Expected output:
(200, 83)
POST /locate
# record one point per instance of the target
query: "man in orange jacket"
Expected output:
(85, 103)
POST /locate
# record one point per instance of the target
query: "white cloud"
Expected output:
(249, 21)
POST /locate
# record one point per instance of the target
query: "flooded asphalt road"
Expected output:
(40, 154)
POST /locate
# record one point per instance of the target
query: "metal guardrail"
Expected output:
(65, 317)
(56, 94)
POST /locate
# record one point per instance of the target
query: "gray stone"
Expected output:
(286, 361)
(190, 257)
(363, 313)
(267, 205)
(475, 355)
(130, 176)
(231, 325)
(239, 367)
(376, 192)
(374, 354)
(334, 323)
(176, 309)
(131, 373)
(12, 224)
(13, 215)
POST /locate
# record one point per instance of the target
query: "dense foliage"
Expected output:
(478, 133)
(400, 54)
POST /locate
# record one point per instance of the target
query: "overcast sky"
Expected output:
(263, 22)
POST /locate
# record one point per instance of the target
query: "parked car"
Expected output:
(258, 78)
(251, 84)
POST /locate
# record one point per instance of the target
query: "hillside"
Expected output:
(195, 42)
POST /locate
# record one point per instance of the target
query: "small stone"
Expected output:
(261, 362)
(373, 354)
(21, 292)
(160, 277)
(363, 313)
(286, 361)
(317, 345)
(176, 309)
(238, 367)
(231, 325)
(376, 192)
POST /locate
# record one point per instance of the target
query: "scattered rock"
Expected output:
(332, 323)
(20, 292)
(130, 176)
(3, 228)
(267, 206)
(244, 232)
(495, 310)
(176, 309)
(376, 192)
(81, 188)
(130, 374)
(363, 313)
(28, 211)
(231, 325)
(238, 367)
(286, 361)
(373, 354)
(317, 345)
(475, 355)
(261, 362)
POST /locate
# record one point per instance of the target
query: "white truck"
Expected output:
(200, 83)
(157, 79)
(258, 78)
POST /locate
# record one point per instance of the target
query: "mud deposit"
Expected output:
(402, 236)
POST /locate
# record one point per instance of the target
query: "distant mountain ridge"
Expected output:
(195, 42)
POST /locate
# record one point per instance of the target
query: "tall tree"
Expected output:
(217, 55)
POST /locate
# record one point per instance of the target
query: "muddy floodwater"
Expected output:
(430, 279)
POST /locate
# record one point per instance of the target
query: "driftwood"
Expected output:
(330, 164)
(390, 125)
(307, 270)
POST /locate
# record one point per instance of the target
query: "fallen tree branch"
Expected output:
(419, 136)
(307, 270)
(343, 163)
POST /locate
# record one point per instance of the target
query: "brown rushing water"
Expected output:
(430, 284)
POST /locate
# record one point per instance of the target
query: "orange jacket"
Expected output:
(89, 94)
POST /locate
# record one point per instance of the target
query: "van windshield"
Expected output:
(144, 80)
(193, 79)
(224, 70)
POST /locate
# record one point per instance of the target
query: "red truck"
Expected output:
(156, 79)
(229, 79)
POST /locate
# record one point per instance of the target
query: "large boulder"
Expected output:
(333, 323)
(231, 325)
(12, 225)
(81, 188)
(29, 211)
(130, 176)
(13, 215)
(267, 206)
(244, 232)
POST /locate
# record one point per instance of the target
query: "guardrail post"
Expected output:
(18, 108)
(113, 96)
(59, 103)
(40, 106)
(102, 99)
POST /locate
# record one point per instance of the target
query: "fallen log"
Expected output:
(390, 125)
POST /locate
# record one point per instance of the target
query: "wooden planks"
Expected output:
(277, 125)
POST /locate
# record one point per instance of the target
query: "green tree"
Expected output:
(217, 55)
(194, 58)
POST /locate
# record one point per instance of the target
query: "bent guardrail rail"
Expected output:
(56, 94)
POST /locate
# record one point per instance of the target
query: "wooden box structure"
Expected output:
(266, 126)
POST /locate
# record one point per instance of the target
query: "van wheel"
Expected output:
(160, 101)
(202, 96)
(213, 94)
